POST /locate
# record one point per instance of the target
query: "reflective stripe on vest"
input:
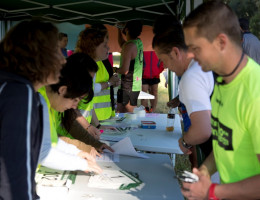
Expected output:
(102, 100)
(102, 105)
(102, 93)
(86, 110)
(87, 114)
(53, 132)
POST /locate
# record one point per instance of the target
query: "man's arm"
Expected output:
(245, 189)
(208, 167)
(199, 131)
(129, 53)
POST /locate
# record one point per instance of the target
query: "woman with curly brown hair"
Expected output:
(30, 58)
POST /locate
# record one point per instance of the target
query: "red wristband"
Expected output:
(212, 192)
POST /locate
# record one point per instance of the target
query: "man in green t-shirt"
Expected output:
(215, 42)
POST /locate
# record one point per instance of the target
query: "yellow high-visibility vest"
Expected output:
(102, 100)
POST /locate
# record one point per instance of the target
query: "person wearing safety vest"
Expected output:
(67, 121)
(93, 41)
(104, 100)
(72, 86)
(131, 66)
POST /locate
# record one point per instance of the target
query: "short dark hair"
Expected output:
(244, 24)
(75, 75)
(62, 35)
(164, 23)
(30, 49)
(134, 28)
(168, 34)
(212, 18)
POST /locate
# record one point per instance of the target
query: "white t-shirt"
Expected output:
(97, 86)
(195, 88)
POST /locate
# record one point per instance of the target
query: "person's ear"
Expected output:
(62, 90)
(176, 53)
(221, 41)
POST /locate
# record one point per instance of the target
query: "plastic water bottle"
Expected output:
(170, 120)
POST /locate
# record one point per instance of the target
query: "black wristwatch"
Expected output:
(184, 144)
(98, 126)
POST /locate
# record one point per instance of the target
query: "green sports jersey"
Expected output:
(132, 81)
(235, 124)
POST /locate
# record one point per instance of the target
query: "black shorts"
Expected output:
(124, 97)
(152, 81)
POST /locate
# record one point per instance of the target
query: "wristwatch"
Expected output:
(184, 144)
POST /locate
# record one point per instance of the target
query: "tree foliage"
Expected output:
(249, 9)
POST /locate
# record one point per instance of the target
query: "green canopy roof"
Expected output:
(87, 11)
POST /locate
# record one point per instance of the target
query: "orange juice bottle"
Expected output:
(170, 120)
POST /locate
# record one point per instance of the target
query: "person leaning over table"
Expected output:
(215, 42)
(195, 86)
(30, 58)
(131, 66)
(68, 125)
(73, 85)
(94, 42)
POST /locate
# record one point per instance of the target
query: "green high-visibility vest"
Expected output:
(53, 132)
(102, 100)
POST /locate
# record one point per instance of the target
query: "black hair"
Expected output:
(62, 35)
(168, 34)
(164, 23)
(134, 28)
(75, 75)
(244, 24)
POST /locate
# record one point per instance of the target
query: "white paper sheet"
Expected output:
(125, 147)
(108, 157)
